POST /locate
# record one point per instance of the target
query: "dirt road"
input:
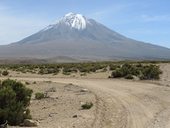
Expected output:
(124, 104)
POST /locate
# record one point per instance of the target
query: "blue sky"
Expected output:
(144, 20)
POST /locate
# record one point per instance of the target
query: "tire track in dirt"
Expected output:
(107, 107)
(99, 115)
(139, 109)
(125, 104)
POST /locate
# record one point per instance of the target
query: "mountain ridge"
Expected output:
(79, 37)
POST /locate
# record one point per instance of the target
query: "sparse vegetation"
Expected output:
(150, 72)
(66, 73)
(34, 82)
(27, 83)
(39, 95)
(144, 72)
(54, 69)
(124, 69)
(87, 105)
(14, 100)
(5, 73)
(48, 70)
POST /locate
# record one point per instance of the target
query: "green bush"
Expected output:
(27, 83)
(124, 71)
(5, 73)
(14, 100)
(87, 105)
(117, 73)
(39, 95)
(150, 72)
(144, 72)
(129, 69)
(114, 66)
(66, 73)
(69, 70)
(52, 70)
(45, 70)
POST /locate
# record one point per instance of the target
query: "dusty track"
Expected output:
(125, 104)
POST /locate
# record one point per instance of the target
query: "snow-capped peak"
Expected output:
(76, 21)
(73, 20)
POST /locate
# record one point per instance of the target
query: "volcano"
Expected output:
(76, 37)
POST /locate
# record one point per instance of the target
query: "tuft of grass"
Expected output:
(66, 73)
(5, 73)
(27, 83)
(39, 95)
(87, 105)
(34, 82)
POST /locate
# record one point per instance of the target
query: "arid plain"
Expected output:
(117, 103)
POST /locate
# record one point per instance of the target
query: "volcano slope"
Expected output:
(122, 103)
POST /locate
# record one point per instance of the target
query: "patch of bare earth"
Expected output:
(62, 107)
(117, 103)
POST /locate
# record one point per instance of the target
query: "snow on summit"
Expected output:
(76, 21)
(73, 20)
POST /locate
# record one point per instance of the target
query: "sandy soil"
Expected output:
(62, 108)
(165, 77)
(117, 103)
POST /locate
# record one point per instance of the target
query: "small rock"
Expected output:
(84, 90)
(30, 123)
(53, 89)
(75, 116)
(82, 103)
(44, 108)
(51, 114)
